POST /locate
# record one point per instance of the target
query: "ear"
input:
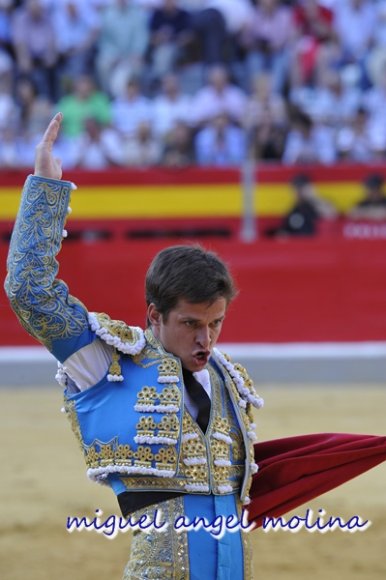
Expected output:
(154, 316)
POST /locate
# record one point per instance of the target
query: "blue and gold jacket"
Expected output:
(133, 427)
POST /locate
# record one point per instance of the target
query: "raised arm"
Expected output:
(41, 302)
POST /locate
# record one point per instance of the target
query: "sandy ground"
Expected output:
(43, 481)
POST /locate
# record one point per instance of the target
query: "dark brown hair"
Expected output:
(190, 273)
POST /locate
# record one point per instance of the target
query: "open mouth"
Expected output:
(202, 356)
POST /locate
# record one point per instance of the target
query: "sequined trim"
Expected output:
(243, 382)
(69, 408)
(127, 339)
(104, 458)
(247, 549)
(159, 555)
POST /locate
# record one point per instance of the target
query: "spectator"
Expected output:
(85, 101)
(308, 208)
(76, 31)
(313, 28)
(354, 24)
(9, 150)
(373, 206)
(218, 96)
(377, 58)
(267, 140)
(220, 143)
(35, 47)
(170, 106)
(98, 147)
(8, 110)
(219, 25)
(266, 120)
(374, 103)
(268, 39)
(330, 101)
(34, 110)
(171, 34)
(178, 148)
(6, 49)
(360, 141)
(142, 148)
(307, 142)
(130, 109)
(122, 44)
(264, 102)
(209, 28)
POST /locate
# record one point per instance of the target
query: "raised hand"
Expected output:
(46, 165)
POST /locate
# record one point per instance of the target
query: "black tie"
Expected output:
(200, 397)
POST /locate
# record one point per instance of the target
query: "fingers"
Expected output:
(52, 130)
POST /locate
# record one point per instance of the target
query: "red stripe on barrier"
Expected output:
(291, 291)
(265, 173)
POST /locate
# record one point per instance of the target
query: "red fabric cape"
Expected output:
(297, 469)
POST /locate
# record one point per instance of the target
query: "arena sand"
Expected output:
(43, 481)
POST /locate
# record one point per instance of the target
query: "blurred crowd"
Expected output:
(207, 82)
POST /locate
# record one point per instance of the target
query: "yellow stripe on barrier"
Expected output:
(183, 200)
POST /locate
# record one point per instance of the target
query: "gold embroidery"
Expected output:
(222, 425)
(146, 426)
(115, 367)
(168, 367)
(123, 453)
(141, 483)
(169, 426)
(73, 418)
(119, 329)
(144, 456)
(41, 302)
(147, 396)
(166, 458)
(247, 549)
(170, 396)
(226, 479)
(196, 474)
(220, 449)
(155, 555)
(193, 448)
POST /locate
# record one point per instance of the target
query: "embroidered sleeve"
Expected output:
(41, 302)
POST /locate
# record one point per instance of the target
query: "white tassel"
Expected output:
(168, 379)
(98, 473)
(254, 467)
(222, 462)
(154, 440)
(114, 378)
(188, 437)
(195, 461)
(196, 487)
(222, 437)
(225, 488)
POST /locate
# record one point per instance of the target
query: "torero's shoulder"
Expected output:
(125, 338)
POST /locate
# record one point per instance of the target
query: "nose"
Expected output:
(203, 337)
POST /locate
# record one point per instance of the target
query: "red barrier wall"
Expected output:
(290, 291)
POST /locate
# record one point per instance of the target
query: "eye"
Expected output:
(189, 323)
